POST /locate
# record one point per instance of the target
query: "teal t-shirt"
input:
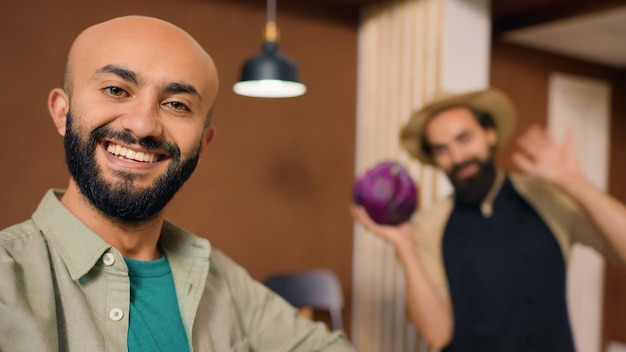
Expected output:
(155, 323)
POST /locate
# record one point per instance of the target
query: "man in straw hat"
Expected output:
(486, 267)
(98, 267)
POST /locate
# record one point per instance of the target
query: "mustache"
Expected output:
(458, 167)
(149, 143)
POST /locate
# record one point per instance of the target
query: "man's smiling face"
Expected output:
(464, 150)
(139, 96)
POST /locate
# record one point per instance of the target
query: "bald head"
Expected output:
(143, 46)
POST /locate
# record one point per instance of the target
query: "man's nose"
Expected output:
(143, 120)
(457, 155)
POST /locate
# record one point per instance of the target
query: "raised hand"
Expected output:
(542, 156)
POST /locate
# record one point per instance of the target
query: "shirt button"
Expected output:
(108, 259)
(116, 314)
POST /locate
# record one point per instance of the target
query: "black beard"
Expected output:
(473, 190)
(121, 201)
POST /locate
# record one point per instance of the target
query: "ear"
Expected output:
(59, 106)
(207, 137)
(492, 136)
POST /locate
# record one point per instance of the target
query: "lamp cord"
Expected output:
(271, 30)
(271, 10)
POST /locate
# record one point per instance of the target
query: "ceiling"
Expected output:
(598, 37)
(591, 30)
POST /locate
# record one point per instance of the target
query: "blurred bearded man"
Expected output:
(485, 267)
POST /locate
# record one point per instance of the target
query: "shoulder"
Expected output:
(24, 262)
(436, 216)
(17, 237)
(539, 193)
(221, 261)
(430, 224)
(532, 185)
(526, 183)
(222, 267)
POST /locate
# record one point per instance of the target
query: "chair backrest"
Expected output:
(318, 289)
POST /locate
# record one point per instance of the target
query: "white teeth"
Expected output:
(118, 150)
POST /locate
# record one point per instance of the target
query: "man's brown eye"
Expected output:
(115, 91)
(178, 105)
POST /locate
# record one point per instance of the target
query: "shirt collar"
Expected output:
(176, 240)
(80, 248)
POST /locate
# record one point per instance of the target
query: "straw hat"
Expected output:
(491, 101)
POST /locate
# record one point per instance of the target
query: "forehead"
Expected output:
(449, 123)
(157, 55)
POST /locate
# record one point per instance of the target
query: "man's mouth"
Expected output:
(466, 171)
(130, 154)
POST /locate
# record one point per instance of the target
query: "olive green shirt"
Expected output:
(63, 288)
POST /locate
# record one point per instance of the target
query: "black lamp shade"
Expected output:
(269, 74)
(270, 64)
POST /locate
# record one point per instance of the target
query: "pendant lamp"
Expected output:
(270, 74)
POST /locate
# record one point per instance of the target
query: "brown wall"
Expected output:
(523, 74)
(272, 191)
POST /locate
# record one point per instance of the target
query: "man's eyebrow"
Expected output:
(463, 134)
(176, 88)
(438, 146)
(123, 73)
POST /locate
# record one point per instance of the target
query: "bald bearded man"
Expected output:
(98, 267)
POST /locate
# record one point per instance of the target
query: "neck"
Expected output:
(137, 241)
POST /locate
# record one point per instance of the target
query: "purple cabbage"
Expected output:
(387, 192)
